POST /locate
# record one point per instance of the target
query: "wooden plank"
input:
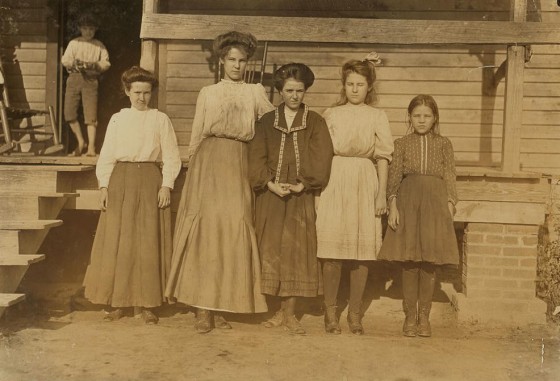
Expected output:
(20, 259)
(28, 224)
(521, 213)
(21, 161)
(7, 300)
(406, 32)
(162, 74)
(149, 48)
(504, 190)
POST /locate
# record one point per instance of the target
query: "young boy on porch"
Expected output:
(85, 58)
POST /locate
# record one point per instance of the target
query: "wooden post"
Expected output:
(149, 52)
(513, 107)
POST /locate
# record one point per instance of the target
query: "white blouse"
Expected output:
(139, 136)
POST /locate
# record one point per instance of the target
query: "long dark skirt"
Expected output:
(288, 244)
(425, 232)
(131, 252)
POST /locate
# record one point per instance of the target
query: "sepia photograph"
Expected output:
(279, 190)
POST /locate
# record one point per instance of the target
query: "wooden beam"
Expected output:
(513, 100)
(519, 213)
(348, 30)
(148, 56)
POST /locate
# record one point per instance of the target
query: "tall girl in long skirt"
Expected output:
(289, 160)
(131, 252)
(422, 200)
(215, 265)
(350, 207)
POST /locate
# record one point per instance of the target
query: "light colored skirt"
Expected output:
(215, 262)
(131, 252)
(347, 227)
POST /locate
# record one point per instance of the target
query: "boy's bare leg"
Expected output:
(76, 129)
(92, 132)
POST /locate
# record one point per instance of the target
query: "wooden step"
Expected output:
(32, 205)
(40, 167)
(7, 300)
(20, 259)
(49, 178)
(27, 193)
(28, 224)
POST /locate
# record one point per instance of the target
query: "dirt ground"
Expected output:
(49, 341)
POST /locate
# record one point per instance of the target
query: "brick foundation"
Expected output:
(499, 270)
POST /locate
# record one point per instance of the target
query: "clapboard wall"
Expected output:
(27, 45)
(465, 80)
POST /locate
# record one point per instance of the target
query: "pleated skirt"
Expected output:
(425, 231)
(287, 242)
(131, 252)
(215, 261)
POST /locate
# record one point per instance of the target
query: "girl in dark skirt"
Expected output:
(131, 253)
(422, 198)
(289, 161)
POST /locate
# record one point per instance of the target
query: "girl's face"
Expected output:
(422, 119)
(293, 93)
(140, 94)
(235, 63)
(356, 88)
(88, 32)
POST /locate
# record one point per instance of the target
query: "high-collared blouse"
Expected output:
(301, 153)
(228, 109)
(360, 131)
(429, 154)
(139, 136)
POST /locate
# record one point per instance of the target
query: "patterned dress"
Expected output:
(347, 227)
(422, 178)
(286, 225)
(215, 262)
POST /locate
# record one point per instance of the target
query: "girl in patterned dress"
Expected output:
(289, 160)
(350, 207)
(422, 198)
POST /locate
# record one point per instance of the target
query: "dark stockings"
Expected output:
(332, 270)
(418, 281)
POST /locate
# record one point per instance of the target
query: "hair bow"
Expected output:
(373, 57)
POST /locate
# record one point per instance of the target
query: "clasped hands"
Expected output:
(284, 189)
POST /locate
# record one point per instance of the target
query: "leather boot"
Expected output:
(203, 322)
(424, 328)
(426, 292)
(410, 320)
(331, 320)
(355, 322)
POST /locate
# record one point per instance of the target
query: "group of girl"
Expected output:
(276, 200)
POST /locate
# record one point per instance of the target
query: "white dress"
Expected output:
(347, 227)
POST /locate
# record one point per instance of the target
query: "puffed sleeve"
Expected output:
(107, 159)
(383, 138)
(263, 104)
(169, 151)
(395, 170)
(316, 169)
(259, 175)
(449, 174)
(198, 124)
(103, 64)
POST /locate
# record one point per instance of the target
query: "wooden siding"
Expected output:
(24, 54)
(464, 80)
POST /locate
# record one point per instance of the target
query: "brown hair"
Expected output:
(297, 71)
(243, 41)
(137, 74)
(364, 68)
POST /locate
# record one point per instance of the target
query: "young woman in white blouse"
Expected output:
(132, 249)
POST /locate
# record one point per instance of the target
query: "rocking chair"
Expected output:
(20, 122)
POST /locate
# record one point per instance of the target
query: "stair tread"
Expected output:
(20, 259)
(7, 300)
(39, 193)
(28, 224)
(41, 167)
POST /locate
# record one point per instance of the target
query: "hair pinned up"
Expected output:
(297, 71)
(244, 41)
(364, 68)
(137, 74)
